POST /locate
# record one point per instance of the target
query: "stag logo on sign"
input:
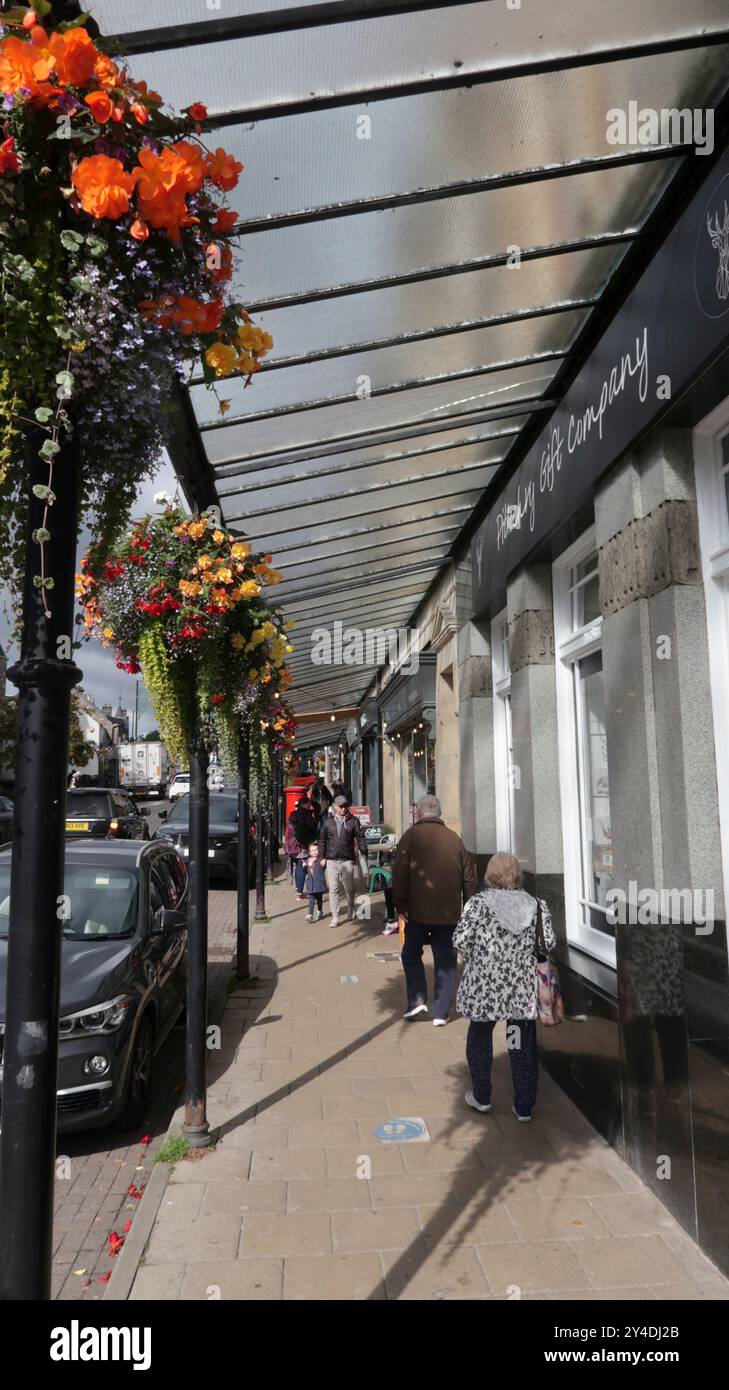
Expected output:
(720, 241)
(711, 271)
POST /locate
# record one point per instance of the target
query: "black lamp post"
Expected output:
(261, 914)
(242, 964)
(196, 1128)
(45, 675)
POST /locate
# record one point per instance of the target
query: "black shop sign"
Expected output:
(674, 322)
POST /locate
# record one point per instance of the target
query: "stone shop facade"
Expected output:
(595, 737)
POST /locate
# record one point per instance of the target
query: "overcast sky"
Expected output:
(101, 679)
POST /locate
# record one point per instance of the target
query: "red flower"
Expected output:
(127, 1227)
(216, 699)
(146, 1139)
(8, 156)
(197, 111)
(104, 1278)
(135, 1192)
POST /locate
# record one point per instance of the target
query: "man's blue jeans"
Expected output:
(444, 957)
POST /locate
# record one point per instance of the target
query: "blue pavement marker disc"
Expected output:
(406, 1131)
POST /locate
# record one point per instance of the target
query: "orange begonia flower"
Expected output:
(74, 57)
(100, 105)
(21, 65)
(197, 111)
(153, 98)
(225, 220)
(193, 172)
(139, 229)
(222, 169)
(106, 72)
(140, 113)
(103, 185)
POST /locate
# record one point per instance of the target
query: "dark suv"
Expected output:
(222, 835)
(106, 811)
(123, 968)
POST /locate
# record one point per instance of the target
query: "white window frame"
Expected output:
(713, 514)
(503, 767)
(570, 646)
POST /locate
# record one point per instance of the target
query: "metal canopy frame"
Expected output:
(367, 531)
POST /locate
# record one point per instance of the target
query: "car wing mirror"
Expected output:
(162, 815)
(169, 919)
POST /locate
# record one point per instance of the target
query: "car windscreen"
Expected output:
(99, 903)
(223, 811)
(86, 805)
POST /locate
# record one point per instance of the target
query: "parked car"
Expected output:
(179, 785)
(222, 834)
(104, 811)
(123, 967)
(6, 820)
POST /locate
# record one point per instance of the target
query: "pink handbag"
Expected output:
(550, 1004)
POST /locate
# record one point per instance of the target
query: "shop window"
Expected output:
(505, 773)
(583, 761)
(711, 445)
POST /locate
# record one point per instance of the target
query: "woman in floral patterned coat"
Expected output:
(496, 936)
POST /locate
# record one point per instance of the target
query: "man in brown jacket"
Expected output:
(432, 877)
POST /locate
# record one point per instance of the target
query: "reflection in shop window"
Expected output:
(583, 755)
(506, 778)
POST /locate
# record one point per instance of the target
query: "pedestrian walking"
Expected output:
(292, 848)
(303, 825)
(497, 937)
(432, 877)
(341, 838)
(315, 885)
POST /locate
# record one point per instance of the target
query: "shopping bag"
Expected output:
(550, 1004)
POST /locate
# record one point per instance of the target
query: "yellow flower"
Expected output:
(240, 550)
(253, 674)
(222, 358)
(289, 624)
(268, 629)
(224, 576)
(258, 636)
(273, 577)
(198, 528)
(238, 640)
(189, 587)
(205, 562)
(250, 589)
(223, 407)
(218, 536)
(108, 632)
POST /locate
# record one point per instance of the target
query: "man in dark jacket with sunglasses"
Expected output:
(340, 837)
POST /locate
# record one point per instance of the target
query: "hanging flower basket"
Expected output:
(181, 600)
(115, 260)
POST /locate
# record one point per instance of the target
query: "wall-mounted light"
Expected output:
(333, 718)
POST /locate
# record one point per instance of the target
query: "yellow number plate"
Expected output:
(77, 825)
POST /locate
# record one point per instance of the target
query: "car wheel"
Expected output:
(139, 1079)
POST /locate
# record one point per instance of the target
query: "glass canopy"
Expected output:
(432, 224)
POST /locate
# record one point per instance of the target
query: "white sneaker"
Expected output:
(523, 1119)
(319, 917)
(470, 1099)
(439, 1022)
(390, 929)
(309, 917)
(416, 1009)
